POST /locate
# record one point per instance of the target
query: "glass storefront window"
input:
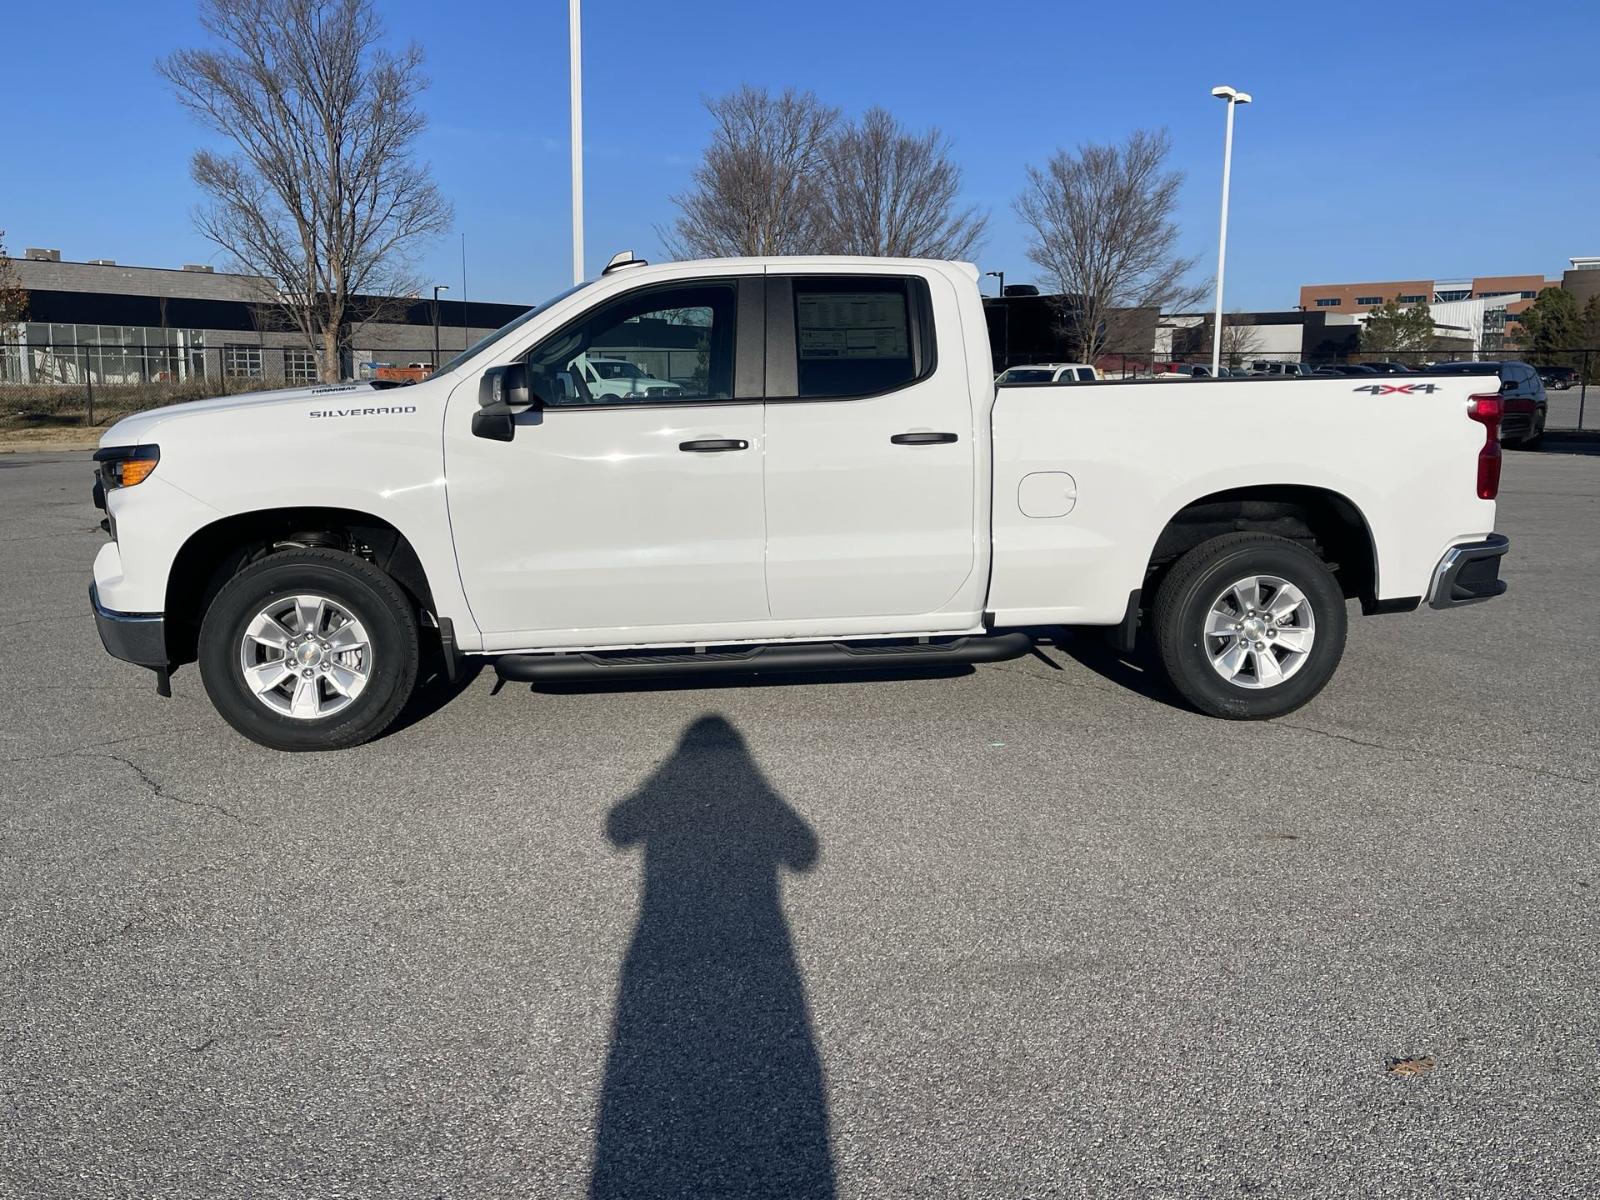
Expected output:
(300, 366)
(242, 362)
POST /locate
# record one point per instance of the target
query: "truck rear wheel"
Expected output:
(1249, 626)
(309, 649)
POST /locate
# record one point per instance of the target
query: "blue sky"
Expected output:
(1411, 140)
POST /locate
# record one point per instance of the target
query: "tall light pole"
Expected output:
(437, 288)
(1233, 97)
(576, 39)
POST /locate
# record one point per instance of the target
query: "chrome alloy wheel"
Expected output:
(1259, 631)
(305, 657)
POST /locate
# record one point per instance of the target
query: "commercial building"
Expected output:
(1517, 290)
(1483, 309)
(113, 324)
(1315, 337)
(1582, 279)
(1027, 327)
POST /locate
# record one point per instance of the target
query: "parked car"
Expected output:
(1522, 392)
(613, 378)
(1345, 369)
(1558, 377)
(1191, 371)
(837, 487)
(1391, 368)
(1048, 373)
(1263, 367)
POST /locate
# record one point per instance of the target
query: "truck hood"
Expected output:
(136, 428)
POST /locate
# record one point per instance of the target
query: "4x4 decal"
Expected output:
(1397, 389)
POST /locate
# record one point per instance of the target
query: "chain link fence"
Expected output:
(94, 384)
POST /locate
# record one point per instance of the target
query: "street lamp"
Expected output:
(575, 47)
(1233, 97)
(1001, 276)
(437, 288)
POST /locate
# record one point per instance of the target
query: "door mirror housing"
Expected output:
(500, 392)
(507, 385)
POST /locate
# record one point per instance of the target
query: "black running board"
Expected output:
(759, 660)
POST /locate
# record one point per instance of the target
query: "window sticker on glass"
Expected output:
(853, 325)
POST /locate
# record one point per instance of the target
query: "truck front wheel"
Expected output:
(309, 649)
(1249, 626)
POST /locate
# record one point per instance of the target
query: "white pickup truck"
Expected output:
(837, 483)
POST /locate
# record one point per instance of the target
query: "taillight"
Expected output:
(1488, 411)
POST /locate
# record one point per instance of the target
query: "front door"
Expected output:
(871, 452)
(629, 503)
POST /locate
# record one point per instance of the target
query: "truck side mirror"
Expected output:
(506, 385)
(499, 391)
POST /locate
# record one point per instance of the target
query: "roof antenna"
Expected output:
(623, 259)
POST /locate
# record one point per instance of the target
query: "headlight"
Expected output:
(125, 466)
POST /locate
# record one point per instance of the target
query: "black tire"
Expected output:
(1194, 583)
(366, 593)
(1532, 441)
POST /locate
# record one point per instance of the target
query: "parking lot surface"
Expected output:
(1029, 931)
(1573, 408)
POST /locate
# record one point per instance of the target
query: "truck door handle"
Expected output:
(712, 445)
(922, 439)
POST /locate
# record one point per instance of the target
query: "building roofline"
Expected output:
(122, 266)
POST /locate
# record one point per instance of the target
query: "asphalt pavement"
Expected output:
(1027, 931)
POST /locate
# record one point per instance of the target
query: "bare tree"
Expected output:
(1103, 234)
(1239, 340)
(757, 189)
(323, 198)
(889, 192)
(13, 296)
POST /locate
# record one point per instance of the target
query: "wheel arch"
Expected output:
(1327, 522)
(216, 551)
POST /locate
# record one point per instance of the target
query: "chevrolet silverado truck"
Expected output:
(840, 485)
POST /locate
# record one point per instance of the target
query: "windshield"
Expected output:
(512, 327)
(1015, 376)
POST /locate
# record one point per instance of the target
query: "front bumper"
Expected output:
(133, 637)
(1469, 573)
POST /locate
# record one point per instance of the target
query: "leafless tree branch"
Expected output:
(756, 191)
(888, 192)
(1102, 232)
(323, 198)
(13, 296)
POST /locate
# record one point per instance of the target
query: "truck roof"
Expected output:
(844, 262)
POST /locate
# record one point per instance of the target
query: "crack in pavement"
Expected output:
(84, 750)
(1058, 681)
(57, 620)
(1435, 754)
(159, 790)
(104, 938)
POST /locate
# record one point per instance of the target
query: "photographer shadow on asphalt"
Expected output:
(713, 1082)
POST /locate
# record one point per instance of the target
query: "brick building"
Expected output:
(1353, 298)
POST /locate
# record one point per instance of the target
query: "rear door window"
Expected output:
(857, 335)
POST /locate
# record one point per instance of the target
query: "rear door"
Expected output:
(870, 449)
